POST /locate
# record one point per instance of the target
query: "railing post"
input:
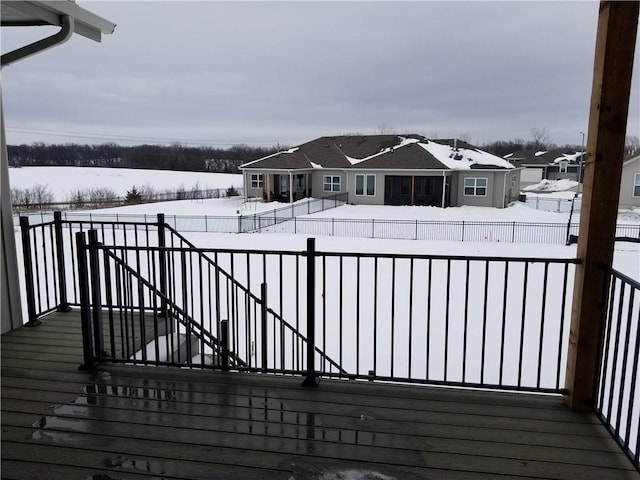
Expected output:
(96, 294)
(162, 264)
(224, 345)
(32, 320)
(263, 312)
(311, 379)
(85, 303)
(63, 306)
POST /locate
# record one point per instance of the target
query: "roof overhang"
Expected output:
(38, 13)
(66, 14)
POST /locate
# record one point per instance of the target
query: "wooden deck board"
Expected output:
(138, 422)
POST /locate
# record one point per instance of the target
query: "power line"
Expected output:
(129, 138)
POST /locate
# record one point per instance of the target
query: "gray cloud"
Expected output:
(270, 72)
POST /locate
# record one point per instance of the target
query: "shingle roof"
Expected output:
(380, 152)
(547, 157)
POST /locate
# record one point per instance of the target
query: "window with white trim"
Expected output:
(475, 187)
(257, 180)
(366, 185)
(636, 185)
(331, 183)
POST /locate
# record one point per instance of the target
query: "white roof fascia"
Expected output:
(49, 12)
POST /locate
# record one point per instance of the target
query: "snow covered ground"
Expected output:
(400, 277)
(61, 181)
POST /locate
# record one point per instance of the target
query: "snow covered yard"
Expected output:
(63, 181)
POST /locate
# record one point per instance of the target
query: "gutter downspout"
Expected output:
(10, 291)
(65, 33)
(504, 190)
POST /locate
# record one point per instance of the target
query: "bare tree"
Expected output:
(465, 137)
(631, 145)
(41, 194)
(541, 138)
(385, 129)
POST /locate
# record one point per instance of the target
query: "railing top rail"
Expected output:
(109, 222)
(407, 256)
(625, 278)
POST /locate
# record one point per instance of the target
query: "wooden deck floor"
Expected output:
(132, 423)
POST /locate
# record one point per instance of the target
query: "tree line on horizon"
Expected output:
(157, 157)
(220, 160)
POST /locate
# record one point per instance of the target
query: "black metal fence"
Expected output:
(464, 321)
(286, 220)
(617, 399)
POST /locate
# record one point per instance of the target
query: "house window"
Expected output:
(331, 183)
(475, 187)
(563, 166)
(366, 185)
(636, 185)
(257, 180)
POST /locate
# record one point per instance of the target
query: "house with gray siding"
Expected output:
(547, 165)
(385, 170)
(630, 183)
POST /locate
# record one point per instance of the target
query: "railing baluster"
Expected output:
(63, 304)
(310, 379)
(85, 307)
(263, 318)
(32, 320)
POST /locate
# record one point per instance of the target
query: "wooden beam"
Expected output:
(615, 43)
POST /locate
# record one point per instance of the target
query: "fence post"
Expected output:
(416, 229)
(311, 380)
(373, 227)
(63, 306)
(224, 345)
(568, 239)
(162, 264)
(32, 320)
(295, 225)
(263, 312)
(85, 306)
(239, 223)
(513, 232)
(96, 294)
(462, 240)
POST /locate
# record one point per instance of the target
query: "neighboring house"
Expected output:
(385, 170)
(630, 183)
(549, 165)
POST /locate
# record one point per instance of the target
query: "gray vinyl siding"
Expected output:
(629, 170)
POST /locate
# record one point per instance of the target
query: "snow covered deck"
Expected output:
(134, 423)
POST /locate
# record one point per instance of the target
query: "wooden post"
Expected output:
(615, 42)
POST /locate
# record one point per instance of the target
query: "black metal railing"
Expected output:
(460, 321)
(49, 258)
(199, 316)
(617, 398)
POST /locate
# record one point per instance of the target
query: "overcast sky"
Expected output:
(218, 73)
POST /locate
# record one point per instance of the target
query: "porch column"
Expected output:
(290, 187)
(615, 42)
